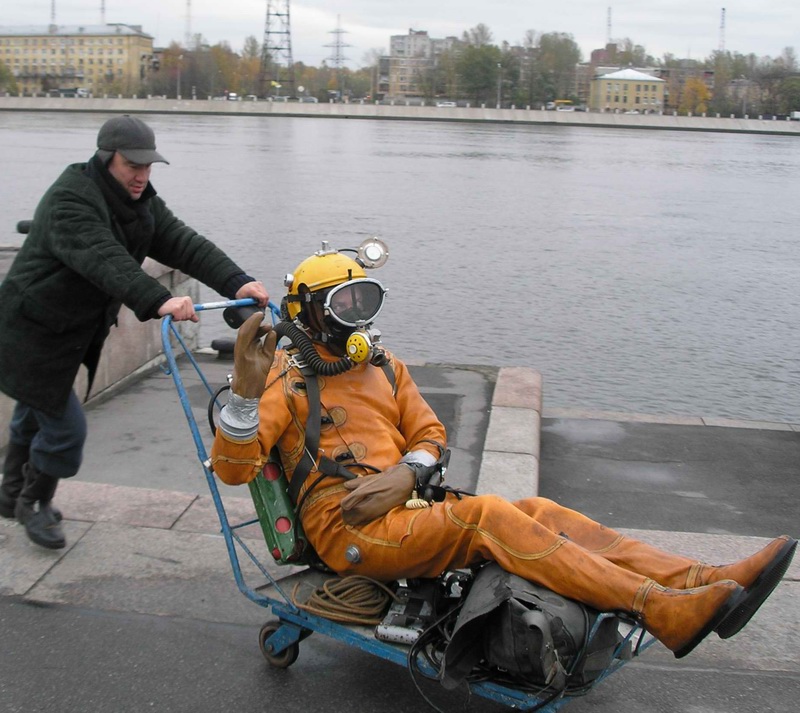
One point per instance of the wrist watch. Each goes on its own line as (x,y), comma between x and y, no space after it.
(422,473)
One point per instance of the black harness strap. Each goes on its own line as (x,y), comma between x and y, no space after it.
(387,369)
(313,426)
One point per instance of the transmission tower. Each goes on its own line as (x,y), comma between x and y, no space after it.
(722,32)
(277,65)
(187,40)
(337,58)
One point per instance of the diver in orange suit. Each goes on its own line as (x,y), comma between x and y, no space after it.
(388,436)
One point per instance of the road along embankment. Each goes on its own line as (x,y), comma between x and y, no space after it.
(402,112)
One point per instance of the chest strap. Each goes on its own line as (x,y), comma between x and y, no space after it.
(314,424)
(313,427)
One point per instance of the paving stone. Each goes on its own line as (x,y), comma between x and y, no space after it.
(514,476)
(101,502)
(23,563)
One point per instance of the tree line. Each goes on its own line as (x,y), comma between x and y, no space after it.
(475,69)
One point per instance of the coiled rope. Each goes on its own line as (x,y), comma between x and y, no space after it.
(354,600)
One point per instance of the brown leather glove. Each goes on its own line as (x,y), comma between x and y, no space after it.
(252,358)
(374,495)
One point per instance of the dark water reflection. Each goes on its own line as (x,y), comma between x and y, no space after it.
(637,270)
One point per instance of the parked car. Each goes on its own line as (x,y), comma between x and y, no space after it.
(233,97)
(446,104)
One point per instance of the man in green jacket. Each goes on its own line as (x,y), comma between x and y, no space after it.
(80,262)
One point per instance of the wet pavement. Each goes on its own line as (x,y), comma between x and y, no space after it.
(141,612)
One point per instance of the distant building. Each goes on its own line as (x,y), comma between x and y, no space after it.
(113,58)
(675,80)
(627,90)
(411,58)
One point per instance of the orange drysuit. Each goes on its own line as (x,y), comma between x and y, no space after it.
(534,538)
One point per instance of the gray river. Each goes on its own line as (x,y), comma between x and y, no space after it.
(643,271)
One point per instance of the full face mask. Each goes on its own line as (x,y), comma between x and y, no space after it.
(330,294)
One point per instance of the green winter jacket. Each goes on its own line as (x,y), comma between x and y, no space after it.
(81,261)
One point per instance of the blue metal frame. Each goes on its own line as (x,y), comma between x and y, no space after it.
(294,623)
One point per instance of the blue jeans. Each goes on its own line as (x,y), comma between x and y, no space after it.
(56,443)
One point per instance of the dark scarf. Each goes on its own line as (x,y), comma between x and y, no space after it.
(132,216)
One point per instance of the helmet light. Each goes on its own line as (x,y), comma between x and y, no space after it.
(373,253)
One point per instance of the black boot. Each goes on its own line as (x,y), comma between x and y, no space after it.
(40,523)
(13,480)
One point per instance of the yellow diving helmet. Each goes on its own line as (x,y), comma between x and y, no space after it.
(350,300)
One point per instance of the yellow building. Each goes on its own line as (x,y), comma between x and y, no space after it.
(103,59)
(627,90)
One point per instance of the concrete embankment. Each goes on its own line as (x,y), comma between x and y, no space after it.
(521,115)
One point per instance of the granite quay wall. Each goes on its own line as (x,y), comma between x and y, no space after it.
(399,111)
(133,347)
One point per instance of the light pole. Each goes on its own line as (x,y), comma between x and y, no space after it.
(178,92)
(499,82)
(744,96)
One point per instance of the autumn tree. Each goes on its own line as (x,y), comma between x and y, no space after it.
(629,54)
(478,72)
(694,97)
(789,95)
(557,58)
(250,69)
(7,81)
(478,36)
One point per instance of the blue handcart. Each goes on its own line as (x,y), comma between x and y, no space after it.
(280,637)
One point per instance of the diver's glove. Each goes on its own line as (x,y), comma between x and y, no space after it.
(374,495)
(252,357)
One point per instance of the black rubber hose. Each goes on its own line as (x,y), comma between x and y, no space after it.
(306,347)
(236,316)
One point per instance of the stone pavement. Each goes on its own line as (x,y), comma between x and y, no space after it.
(142,602)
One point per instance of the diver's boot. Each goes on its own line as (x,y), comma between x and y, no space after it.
(679,618)
(775,558)
(760,574)
(34,512)
(13,479)
(666,568)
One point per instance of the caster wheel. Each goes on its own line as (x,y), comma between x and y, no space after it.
(286,657)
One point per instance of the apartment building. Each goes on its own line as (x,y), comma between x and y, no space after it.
(627,90)
(411,56)
(104,59)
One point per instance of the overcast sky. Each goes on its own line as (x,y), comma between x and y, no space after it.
(685,28)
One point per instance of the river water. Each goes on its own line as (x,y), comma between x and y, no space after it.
(643,271)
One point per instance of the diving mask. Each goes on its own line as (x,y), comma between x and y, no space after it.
(355,303)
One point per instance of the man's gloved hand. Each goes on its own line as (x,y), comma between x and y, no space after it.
(374,495)
(252,357)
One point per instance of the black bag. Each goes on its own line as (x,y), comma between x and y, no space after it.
(528,633)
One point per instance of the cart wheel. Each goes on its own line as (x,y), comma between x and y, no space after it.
(286,657)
